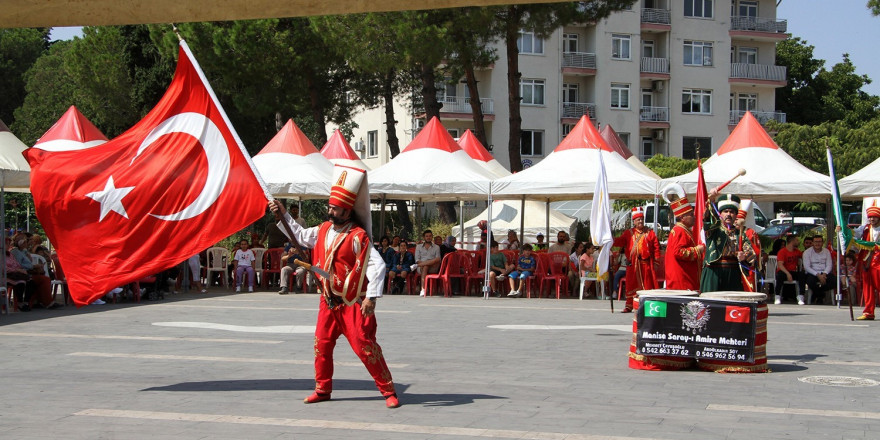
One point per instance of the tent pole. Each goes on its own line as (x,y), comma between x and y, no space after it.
(461,222)
(522,222)
(488,264)
(382,216)
(547,223)
(656,211)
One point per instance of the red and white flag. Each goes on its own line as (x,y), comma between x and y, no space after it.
(700,203)
(173,185)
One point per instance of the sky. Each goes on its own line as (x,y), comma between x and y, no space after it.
(832,27)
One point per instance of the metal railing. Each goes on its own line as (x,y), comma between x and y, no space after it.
(578,109)
(653,15)
(459,104)
(757,71)
(654,114)
(759,24)
(582,60)
(654,65)
(762,117)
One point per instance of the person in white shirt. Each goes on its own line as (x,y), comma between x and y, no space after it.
(817,265)
(243,260)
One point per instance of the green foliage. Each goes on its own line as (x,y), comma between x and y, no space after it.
(852,148)
(19,50)
(50,91)
(874,6)
(815,95)
(669,166)
(20,215)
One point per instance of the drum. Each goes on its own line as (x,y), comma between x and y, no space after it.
(759,365)
(656,363)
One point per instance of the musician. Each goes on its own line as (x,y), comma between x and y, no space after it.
(684,253)
(643,251)
(869,261)
(355,270)
(728,248)
(749,280)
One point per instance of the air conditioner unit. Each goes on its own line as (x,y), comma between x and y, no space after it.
(358,146)
(657,86)
(659,135)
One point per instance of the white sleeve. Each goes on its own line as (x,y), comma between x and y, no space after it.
(375,274)
(304,236)
(828,265)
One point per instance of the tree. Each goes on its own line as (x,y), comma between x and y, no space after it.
(19,50)
(542,19)
(50,91)
(874,6)
(814,95)
(670,166)
(852,148)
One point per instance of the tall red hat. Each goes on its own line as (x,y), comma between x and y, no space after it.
(873,210)
(681,207)
(347,183)
(638,212)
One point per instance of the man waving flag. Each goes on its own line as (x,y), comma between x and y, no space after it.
(176,183)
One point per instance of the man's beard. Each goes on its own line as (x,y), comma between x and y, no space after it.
(336,220)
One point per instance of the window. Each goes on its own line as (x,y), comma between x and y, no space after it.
(531,143)
(747,101)
(747,55)
(569,43)
(696,101)
(619,96)
(620,44)
(647,48)
(748,9)
(446,91)
(569,93)
(647,146)
(698,8)
(625,138)
(697,53)
(532,91)
(372,143)
(566,129)
(689,147)
(453,132)
(529,43)
(647,98)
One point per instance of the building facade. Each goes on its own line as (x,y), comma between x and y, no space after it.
(670,76)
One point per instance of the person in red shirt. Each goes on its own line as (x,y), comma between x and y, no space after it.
(643,251)
(684,256)
(787,268)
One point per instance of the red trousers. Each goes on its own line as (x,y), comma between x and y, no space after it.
(361,334)
(870,285)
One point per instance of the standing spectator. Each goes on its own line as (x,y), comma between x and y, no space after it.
(195,267)
(818,266)
(401,262)
(525,266)
(427,258)
(787,261)
(643,251)
(243,262)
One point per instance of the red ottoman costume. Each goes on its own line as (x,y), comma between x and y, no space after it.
(355,270)
(869,264)
(684,258)
(643,250)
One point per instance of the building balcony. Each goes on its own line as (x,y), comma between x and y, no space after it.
(655,16)
(758,24)
(458,104)
(574,110)
(758,74)
(654,114)
(762,117)
(579,63)
(654,67)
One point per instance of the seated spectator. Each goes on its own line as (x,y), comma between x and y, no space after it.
(447,246)
(37,285)
(499,267)
(511,243)
(562,244)
(620,262)
(540,245)
(395,242)
(587,266)
(288,267)
(525,266)
(850,275)
(818,268)
(243,262)
(401,262)
(386,251)
(427,258)
(787,262)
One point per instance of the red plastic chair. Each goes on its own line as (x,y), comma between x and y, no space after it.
(556,262)
(542,270)
(450,267)
(271,264)
(474,263)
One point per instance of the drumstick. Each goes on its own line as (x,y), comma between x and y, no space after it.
(742,172)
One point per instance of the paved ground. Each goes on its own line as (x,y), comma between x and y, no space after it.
(236,366)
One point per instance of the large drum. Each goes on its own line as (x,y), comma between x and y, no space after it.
(759,365)
(656,363)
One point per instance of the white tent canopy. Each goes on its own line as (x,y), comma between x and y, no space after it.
(292,167)
(472,146)
(431,168)
(571,170)
(506,215)
(863,183)
(15,173)
(616,143)
(771,174)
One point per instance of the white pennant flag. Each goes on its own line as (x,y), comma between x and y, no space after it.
(600,220)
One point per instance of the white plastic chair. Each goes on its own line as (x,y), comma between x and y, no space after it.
(770,276)
(592,276)
(217,259)
(258,263)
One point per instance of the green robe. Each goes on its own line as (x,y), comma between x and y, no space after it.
(723,243)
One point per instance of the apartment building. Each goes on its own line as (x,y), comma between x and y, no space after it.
(671,77)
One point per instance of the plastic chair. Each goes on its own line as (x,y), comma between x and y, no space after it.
(217,258)
(542,270)
(60,281)
(555,262)
(4,292)
(770,276)
(450,267)
(271,264)
(258,264)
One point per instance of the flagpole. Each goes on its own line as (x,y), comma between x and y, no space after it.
(838,218)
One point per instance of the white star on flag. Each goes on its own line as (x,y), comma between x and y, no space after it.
(111,199)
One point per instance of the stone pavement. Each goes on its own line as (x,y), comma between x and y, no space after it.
(234,366)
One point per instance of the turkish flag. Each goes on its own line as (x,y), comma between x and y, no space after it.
(700,204)
(737,314)
(173,185)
